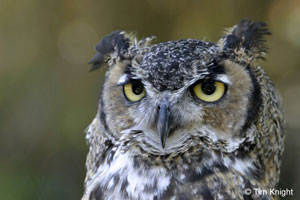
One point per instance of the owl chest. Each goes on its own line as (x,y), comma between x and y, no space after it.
(121,178)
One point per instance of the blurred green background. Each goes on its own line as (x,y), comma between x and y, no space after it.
(48,97)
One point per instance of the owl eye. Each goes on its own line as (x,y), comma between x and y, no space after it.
(209,90)
(134,91)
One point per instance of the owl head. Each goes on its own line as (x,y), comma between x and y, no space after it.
(173,95)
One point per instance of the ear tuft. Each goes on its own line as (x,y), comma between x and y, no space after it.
(117,42)
(246,38)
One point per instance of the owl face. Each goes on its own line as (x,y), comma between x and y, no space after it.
(169,100)
(174,91)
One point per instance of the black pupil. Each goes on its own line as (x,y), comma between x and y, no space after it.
(137,88)
(208,87)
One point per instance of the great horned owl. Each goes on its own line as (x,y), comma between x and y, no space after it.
(185,119)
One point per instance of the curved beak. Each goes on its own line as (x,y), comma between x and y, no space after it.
(163,122)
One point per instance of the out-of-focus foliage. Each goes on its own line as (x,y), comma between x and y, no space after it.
(47,96)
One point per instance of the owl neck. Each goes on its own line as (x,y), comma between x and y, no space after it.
(136,170)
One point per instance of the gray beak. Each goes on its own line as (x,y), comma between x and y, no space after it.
(163,122)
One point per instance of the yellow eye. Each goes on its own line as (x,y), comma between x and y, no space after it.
(209,90)
(134,91)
